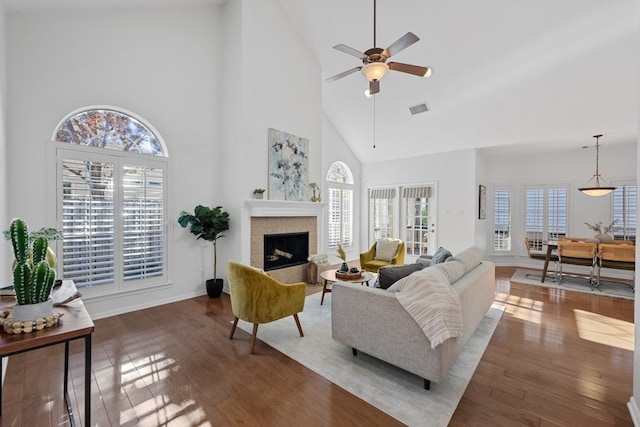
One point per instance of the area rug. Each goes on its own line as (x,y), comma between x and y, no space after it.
(578,284)
(390,389)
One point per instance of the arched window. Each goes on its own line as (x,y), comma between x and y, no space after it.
(340,189)
(111,191)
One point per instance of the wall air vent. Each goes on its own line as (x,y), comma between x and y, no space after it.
(420,108)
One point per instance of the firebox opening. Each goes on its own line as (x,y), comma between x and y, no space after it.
(285,250)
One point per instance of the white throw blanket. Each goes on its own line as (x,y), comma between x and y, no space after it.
(429,299)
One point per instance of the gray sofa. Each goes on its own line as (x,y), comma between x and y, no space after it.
(372,320)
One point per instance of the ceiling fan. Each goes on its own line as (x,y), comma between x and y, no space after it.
(374,60)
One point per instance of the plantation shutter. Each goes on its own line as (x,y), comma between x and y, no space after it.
(624,211)
(347,217)
(381,202)
(557,213)
(88,226)
(501,220)
(534,216)
(334,218)
(143,236)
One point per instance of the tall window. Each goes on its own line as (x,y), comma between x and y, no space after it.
(545,213)
(111,193)
(416,210)
(501,220)
(624,211)
(340,190)
(381,208)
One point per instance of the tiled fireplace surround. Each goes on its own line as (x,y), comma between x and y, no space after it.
(274,217)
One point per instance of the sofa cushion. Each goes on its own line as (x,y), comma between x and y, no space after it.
(470,257)
(453,270)
(386,249)
(390,274)
(441,255)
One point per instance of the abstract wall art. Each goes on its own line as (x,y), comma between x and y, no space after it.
(288,166)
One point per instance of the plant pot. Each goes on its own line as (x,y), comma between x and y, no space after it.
(214,287)
(24,313)
(257,195)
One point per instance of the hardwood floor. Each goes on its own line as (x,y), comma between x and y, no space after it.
(557,358)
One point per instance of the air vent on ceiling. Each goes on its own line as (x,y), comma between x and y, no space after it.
(420,108)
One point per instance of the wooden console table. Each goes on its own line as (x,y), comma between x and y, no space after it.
(74,324)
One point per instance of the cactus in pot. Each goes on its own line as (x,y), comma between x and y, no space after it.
(33,277)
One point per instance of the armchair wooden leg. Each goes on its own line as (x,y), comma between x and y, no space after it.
(295,316)
(253,337)
(233,328)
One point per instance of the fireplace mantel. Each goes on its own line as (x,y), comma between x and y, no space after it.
(262,208)
(256,208)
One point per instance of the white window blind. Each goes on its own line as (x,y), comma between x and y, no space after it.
(334,217)
(87,221)
(545,213)
(381,205)
(624,211)
(143,234)
(501,220)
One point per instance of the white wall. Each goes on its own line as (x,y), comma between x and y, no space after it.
(4,162)
(455,174)
(160,63)
(271,81)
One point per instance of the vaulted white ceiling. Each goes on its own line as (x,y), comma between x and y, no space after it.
(541,74)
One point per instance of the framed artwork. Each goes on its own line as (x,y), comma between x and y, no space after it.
(482,202)
(288,166)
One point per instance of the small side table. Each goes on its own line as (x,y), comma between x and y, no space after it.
(330,276)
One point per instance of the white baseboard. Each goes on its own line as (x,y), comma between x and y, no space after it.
(634,412)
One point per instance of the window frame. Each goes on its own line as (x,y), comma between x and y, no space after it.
(494,215)
(548,221)
(59,151)
(346,188)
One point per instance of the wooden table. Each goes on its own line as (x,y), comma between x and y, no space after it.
(74,324)
(330,276)
(551,246)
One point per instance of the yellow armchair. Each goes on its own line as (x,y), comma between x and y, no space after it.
(258,298)
(372,260)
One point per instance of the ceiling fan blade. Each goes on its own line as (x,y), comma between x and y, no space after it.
(416,70)
(342,74)
(349,50)
(374,87)
(400,44)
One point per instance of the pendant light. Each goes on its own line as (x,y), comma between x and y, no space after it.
(597,189)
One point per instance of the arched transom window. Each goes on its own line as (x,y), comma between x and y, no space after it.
(111,191)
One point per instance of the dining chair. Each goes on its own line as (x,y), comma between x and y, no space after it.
(577,253)
(541,256)
(619,256)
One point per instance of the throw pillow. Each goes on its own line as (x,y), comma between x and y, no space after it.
(390,274)
(441,255)
(386,249)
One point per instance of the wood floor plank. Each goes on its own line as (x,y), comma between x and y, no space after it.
(553,360)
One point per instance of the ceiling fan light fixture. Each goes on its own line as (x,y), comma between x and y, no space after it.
(375,70)
(597,190)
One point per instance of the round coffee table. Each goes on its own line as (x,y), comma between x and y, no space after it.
(330,276)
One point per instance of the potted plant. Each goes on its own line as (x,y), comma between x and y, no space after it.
(258,193)
(208,224)
(33,272)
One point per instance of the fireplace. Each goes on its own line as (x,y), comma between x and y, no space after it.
(285,250)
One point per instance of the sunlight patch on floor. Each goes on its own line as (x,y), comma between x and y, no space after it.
(604,330)
(522,308)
